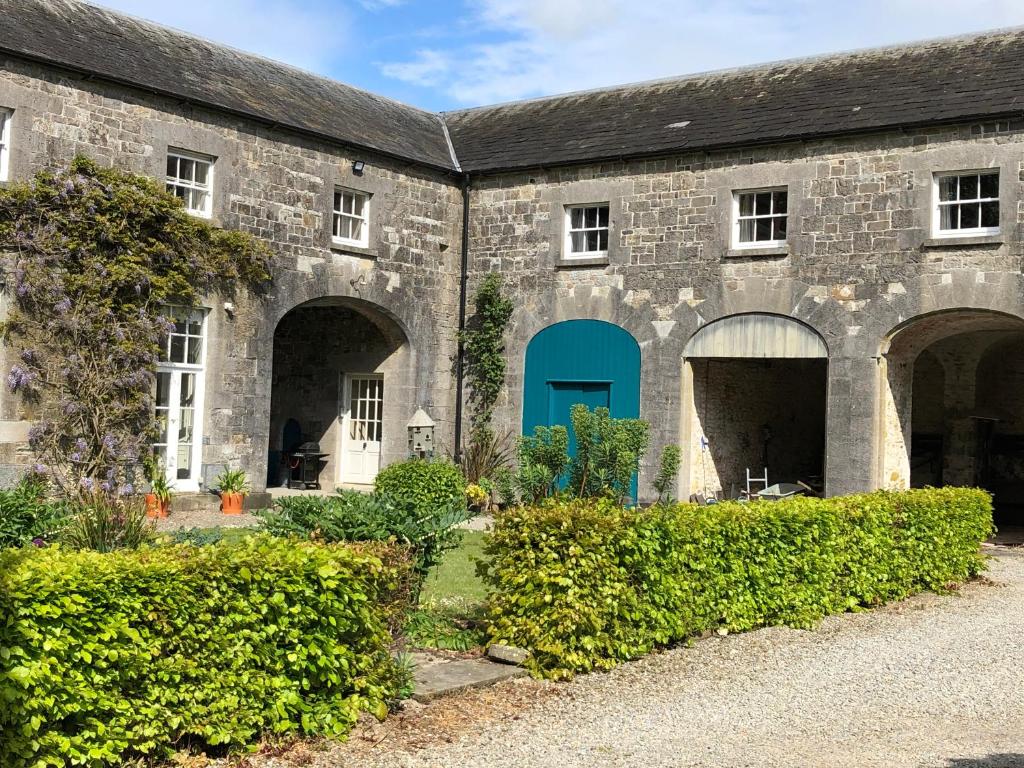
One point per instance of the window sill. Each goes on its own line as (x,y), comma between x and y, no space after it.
(593,261)
(957,242)
(756,253)
(358,250)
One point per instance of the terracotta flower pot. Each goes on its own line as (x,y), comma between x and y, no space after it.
(231,503)
(156,508)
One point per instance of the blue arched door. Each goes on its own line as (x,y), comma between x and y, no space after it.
(580,361)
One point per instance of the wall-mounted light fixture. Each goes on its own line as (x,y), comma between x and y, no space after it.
(357,167)
(229,308)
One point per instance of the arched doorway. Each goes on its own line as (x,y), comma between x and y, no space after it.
(754,399)
(580,361)
(953,405)
(341,381)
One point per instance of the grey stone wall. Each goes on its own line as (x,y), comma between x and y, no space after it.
(279,187)
(859,261)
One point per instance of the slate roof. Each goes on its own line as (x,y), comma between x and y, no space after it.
(939,81)
(959,79)
(118,47)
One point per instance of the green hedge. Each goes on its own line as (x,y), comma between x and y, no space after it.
(586,584)
(107,656)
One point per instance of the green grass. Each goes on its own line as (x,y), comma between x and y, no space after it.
(455,580)
(451,605)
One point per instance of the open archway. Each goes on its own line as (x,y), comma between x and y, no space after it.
(342,381)
(953,405)
(754,400)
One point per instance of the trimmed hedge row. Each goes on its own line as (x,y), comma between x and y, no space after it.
(585,584)
(108,656)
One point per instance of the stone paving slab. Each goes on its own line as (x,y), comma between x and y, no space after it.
(435,677)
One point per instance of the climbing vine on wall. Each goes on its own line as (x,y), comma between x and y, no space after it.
(92,257)
(484,340)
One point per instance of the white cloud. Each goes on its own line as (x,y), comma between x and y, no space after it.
(537,47)
(305,34)
(427,68)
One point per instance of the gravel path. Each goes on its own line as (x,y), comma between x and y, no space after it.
(932,681)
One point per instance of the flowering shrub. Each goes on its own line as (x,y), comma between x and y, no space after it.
(92,255)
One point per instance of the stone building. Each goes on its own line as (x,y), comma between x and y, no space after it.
(810,269)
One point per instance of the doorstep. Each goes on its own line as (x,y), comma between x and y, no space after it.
(435,677)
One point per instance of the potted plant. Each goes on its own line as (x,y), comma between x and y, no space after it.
(158,500)
(233,485)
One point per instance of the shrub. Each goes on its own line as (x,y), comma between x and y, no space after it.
(352,516)
(26,515)
(422,485)
(104,523)
(585,584)
(111,656)
(608,452)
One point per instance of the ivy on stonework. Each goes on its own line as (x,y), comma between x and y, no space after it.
(92,256)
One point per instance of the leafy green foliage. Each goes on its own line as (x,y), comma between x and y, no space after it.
(446,628)
(27,515)
(608,452)
(232,481)
(486,455)
(428,532)
(584,584)
(542,459)
(484,344)
(110,656)
(668,468)
(422,485)
(202,537)
(92,257)
(104,523)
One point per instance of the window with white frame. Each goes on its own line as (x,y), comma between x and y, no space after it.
(5,143)
(190,177)
(178,398)
(586,231)
(967,203)
(760,217)
(351,220)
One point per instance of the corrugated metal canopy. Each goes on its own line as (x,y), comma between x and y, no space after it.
(756,335)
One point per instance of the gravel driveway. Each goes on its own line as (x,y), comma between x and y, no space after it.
(933,681)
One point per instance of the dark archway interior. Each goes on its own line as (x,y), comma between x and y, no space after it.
(760,414)
(314,345)
(967,407)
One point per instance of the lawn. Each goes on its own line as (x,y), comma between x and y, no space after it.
(455,579)
(451,606)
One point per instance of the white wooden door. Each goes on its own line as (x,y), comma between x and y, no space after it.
(362,427)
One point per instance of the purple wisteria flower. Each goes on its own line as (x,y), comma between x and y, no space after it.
(38,542)
(19,379)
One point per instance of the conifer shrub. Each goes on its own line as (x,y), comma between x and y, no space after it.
(107,657)
(584,584)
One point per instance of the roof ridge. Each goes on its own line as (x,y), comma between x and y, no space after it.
(225,46)
(891,48)
(448,138)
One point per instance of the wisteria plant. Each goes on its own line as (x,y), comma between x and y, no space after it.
(92,258)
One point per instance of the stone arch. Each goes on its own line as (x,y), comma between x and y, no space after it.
(937,360)
(754,393)
(342,370)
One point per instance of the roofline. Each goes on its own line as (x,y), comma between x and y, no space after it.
(261,119)
(748,68)
(725,146)
(277,62)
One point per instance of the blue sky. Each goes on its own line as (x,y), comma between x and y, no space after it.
(448,55)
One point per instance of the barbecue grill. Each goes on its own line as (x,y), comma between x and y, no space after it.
(304,466)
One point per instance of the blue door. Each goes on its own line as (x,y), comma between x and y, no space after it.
(580,361)
(565,394)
